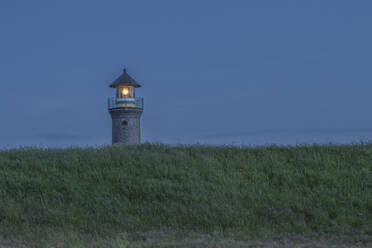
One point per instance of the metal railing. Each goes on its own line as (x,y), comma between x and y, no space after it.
(136,102)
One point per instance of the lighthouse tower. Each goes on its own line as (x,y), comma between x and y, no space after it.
(125,110)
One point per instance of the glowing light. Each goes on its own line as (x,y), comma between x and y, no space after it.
(125,91)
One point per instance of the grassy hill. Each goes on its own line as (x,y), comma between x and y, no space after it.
(138,196)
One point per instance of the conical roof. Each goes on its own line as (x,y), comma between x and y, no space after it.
(125,79)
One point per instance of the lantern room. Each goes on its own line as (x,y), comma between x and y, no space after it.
(125,92)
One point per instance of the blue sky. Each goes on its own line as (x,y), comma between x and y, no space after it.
(208,68)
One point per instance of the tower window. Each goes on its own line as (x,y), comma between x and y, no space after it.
(124,123)
(125,92)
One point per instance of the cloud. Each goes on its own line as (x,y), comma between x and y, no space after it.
(289,131)
(62,137)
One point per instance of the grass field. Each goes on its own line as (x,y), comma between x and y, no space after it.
(187,196)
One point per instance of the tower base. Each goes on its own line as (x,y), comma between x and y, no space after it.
(126,125)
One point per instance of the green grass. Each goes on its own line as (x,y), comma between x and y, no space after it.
(226,192)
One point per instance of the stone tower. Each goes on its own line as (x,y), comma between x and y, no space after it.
(125,110)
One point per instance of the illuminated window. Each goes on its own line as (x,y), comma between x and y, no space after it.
(125,92)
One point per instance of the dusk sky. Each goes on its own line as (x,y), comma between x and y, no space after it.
(218,72)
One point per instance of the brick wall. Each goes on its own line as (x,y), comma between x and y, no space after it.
(126,126)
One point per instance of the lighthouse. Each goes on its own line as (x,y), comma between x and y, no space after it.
(125,110)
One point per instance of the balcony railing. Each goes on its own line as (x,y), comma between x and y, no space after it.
(136,102)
